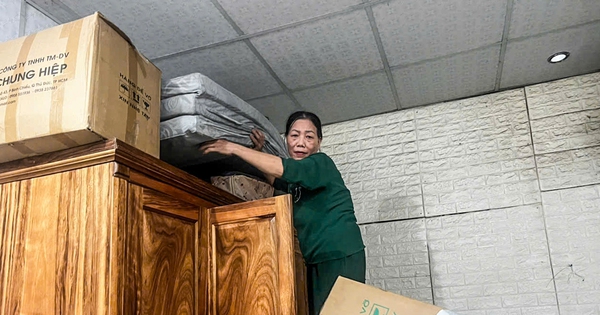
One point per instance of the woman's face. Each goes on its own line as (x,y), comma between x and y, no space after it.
(302,139)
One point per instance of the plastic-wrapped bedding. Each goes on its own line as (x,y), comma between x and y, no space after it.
(191,90)
(195,109)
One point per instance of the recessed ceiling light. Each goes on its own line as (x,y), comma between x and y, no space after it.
(558,57)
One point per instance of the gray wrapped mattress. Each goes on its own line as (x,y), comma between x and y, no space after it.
(195,109)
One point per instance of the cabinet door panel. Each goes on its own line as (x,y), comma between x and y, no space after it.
(251,258)
(162,252)
(168,266)
(55,249)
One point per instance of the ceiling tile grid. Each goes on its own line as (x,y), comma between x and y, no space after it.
(162,27)
(531,17)
(354,98)
(276,108)
(326,50)
(35,21)
(449,78)
(437,50)
(254,16)
(417,30)
(233,66)
(54,8)
(525,60)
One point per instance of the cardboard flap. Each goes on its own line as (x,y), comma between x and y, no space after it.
(349,297)
(122,34)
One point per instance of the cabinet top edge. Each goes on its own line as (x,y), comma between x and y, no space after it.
(107,151)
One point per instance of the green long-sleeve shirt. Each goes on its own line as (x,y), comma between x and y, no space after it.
(323,210)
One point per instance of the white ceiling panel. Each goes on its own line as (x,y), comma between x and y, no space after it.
(10,11)
(35,21)
(526,60)
(354,98)
(233,66)
(56,9)
(276,108)
(258,15)
(437,50)
(162,27)
(322,51)
(416,30)
(462,75)
(531,17)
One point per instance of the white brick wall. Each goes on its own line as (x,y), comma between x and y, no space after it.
(377,157)
(451,195)
(476,154)
(573,223)
(563,96)
(493,260)
(565,125)
(397,258)
(570,168)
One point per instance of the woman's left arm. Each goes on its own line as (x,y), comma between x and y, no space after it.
(270,165)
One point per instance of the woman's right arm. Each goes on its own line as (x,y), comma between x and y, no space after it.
(307,172)
(270,165)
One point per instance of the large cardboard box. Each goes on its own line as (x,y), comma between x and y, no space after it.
(354,298)
(74,84)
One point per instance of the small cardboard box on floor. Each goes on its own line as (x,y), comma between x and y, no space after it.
(74,84)
(349,297)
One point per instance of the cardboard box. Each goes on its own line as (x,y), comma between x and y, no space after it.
(74,84)
(349,297)
(244,187)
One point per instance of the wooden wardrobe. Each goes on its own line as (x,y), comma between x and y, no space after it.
(108,229)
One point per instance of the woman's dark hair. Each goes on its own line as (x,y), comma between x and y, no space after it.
(304,115)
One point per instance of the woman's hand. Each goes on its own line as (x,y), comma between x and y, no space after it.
(258,139)
(219,146)
(270,165)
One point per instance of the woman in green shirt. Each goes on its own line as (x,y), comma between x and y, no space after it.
(329,236)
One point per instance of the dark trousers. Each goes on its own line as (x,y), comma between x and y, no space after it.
(321,277)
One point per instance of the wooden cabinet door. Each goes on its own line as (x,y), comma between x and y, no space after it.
(250,258)
(54,248)
(161,255)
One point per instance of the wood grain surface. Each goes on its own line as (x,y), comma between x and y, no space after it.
(105,229)
(119,297)
(161,253)
(113,151)
(85,242)
(169,257)
(11,248)
(54,257)
(252,258)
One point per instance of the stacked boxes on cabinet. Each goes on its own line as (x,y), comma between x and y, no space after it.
(74,84)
